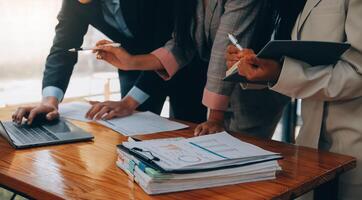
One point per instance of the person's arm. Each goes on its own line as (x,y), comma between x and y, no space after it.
(214,124)
(121,59)
(149,83)
(341,81)
(59,64)
(111,109)
(166,61)
(147,86)
(239,19)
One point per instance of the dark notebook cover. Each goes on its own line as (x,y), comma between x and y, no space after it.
(312,52)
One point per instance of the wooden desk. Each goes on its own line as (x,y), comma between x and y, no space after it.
(88,171)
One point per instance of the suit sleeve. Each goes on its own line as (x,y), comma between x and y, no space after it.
(173,58)
(342,81)
(149,84)
(239,18)
(69,33)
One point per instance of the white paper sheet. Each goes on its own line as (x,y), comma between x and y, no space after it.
(142,123)
(137,124)
(75,110)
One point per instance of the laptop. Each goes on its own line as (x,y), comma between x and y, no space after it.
(42,134)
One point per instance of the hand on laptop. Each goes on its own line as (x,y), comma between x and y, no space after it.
(112,109)
(48,107)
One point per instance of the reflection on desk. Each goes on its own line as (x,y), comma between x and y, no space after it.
(88,170)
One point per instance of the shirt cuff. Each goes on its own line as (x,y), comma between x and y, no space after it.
(138,95)
(52,91)
(215,101)
(168,61)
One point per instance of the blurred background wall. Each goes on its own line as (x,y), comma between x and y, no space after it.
(26,34)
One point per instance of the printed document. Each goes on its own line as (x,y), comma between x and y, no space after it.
(75,110)
(136,124)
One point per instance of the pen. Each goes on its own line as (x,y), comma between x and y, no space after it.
(89,49)
(235,41)
(133,139)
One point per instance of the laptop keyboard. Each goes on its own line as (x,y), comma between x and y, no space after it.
(27,134)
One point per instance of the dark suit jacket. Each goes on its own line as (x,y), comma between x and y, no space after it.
(150,21)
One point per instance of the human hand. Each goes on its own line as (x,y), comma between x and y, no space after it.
(48,107)
(233,55)
(209,127)
(257,69)
(115,56)
(112,109)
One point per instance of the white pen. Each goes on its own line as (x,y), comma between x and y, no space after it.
(89,49)
(235,41)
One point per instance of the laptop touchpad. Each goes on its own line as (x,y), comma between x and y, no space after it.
(58,127)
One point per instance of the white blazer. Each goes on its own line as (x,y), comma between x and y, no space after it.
(331,95)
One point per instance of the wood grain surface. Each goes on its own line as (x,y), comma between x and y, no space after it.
(87,170)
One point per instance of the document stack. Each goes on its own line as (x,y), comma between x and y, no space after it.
(162,166)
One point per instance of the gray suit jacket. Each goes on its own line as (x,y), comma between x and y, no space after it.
(252,111)
(331,95)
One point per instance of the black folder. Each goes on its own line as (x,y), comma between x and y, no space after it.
(312,52)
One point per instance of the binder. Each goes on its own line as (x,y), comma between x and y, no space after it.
(198,154)
(312,52)
(154,165)
(155,182)
(160,166)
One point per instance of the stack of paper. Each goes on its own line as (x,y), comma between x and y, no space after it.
(200,162)
(135,124)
